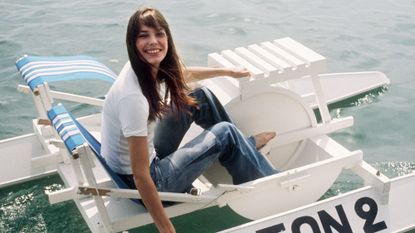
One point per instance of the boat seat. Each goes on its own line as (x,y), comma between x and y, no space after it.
(37,72)
(87,163)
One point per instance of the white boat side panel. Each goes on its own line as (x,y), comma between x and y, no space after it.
(315,217)
(353,211)
(16,159)
(402,202)
(293,188)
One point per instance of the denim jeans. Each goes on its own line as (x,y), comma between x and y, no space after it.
(174,169)
(171,129)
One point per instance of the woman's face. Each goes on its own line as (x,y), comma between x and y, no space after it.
(152,44)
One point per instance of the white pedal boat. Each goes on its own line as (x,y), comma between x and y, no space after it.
(288,87)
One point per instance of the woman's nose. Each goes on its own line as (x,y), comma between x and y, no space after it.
(153,39)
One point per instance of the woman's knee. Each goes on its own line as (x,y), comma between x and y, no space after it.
(224,130)
(223,126)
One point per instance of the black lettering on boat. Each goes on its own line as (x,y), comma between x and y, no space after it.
(328,222)
(369,215)
(295,227)
(273,229)
(366,208)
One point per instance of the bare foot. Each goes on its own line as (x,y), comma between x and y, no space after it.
(263,138)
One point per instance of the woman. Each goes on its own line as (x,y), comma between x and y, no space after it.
(134,104)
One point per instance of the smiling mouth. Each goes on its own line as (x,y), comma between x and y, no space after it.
(153,51)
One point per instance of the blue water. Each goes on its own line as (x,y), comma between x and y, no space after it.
(354,36)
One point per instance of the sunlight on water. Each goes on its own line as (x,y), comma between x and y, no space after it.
(370,97)
(25,208)
(394,169)
(15,205)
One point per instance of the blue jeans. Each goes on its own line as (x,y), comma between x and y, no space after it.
(171,129)
(223,141)
(174,169)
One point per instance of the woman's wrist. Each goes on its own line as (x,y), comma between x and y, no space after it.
(237,72)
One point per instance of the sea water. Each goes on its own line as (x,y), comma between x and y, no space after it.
(354,35)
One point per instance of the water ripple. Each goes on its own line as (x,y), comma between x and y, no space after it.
(396,168)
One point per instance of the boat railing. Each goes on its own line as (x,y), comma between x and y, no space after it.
(59,95)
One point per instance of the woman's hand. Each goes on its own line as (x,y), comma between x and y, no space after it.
(200,73)
(138,149)
(238,72)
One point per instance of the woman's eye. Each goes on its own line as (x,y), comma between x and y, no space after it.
(161,34)
(142,35)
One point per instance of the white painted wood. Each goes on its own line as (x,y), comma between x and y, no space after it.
(300,51)
(239,61)
(284,55)
(320,99)
(269,57)
(164,196)
(255,60)
(46,160)
(68,96)
(320,129)
(62,195)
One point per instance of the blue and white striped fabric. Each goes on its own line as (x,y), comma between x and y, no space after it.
(96,148)
(36,70)
(74,134)
(66,128)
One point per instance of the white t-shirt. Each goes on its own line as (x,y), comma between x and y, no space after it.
(125,114)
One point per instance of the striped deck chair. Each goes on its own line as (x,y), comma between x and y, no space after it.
(87,163)
(38,71)
(74,135)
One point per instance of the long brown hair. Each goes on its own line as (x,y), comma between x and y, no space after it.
(170,70)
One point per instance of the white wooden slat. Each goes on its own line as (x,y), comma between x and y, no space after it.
(46,160)
(230,84)
(61,195)
(239,61)
(321,100)
(255,60)
(320,129)
(217,60)
(299,50)
(282,54)
(269,57)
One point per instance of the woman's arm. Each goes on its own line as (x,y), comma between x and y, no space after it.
(195,73)
(141,171)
